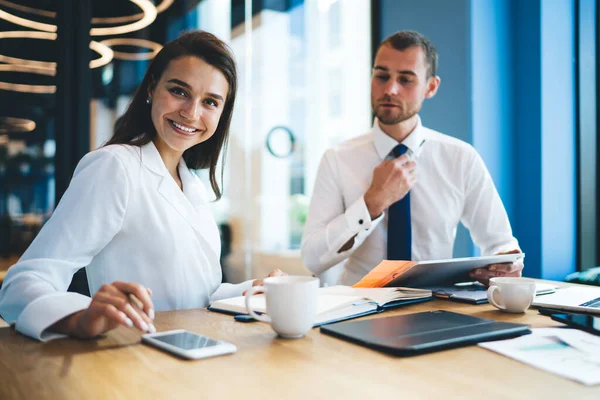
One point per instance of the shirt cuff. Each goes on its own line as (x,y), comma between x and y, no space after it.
(45,311)
(358,217)
(505,248)
(228,290)
(240,287)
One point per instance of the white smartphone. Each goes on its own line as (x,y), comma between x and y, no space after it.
(188,344)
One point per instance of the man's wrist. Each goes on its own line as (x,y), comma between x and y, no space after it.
(513,251)
(373,206)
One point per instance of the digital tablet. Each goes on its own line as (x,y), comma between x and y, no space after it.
(424,332)
(436,272)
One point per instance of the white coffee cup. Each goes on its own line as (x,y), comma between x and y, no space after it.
(291,304)
(513,295)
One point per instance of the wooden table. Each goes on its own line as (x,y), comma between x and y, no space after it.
(5,263)
(265,367)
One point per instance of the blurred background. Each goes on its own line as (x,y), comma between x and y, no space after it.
(519,82)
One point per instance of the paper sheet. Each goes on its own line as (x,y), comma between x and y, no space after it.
(570,353)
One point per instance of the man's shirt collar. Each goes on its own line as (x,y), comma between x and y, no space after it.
(384,143)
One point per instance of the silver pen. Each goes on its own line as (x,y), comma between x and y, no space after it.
(411,153)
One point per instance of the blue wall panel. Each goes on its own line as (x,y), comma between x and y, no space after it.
(527,155)
(558,138)
(492,93)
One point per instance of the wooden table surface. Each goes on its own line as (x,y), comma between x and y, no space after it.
(5,263)
(118,366)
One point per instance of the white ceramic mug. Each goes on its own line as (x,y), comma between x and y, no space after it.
(291,304)
(513,295)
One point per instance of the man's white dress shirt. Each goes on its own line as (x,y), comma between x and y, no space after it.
(124,218)
(453,185)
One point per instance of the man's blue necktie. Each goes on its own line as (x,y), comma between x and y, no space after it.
(399,226)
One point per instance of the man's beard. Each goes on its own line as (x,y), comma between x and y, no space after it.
(392,118)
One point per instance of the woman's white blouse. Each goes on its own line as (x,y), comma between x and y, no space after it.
(124,218)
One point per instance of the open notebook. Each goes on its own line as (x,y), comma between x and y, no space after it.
(337,303)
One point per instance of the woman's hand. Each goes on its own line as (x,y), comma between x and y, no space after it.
(259,282)
(119,303)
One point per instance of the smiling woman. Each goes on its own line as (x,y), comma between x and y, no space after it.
(135,215)
(182,90)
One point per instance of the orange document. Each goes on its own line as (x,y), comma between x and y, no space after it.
(384,273)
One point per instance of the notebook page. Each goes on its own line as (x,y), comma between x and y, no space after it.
(238,304)
(328,302)
(379,295)
(325,303)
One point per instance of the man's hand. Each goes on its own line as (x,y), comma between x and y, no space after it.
(484,275)
(392,179)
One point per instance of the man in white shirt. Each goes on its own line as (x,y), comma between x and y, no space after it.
(362,182)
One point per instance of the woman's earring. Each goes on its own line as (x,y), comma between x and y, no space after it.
(148,100)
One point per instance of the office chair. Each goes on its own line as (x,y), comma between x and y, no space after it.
(79,283)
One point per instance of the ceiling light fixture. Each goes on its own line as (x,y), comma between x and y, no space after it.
(27,22)
(149,15)
(26,88)
(149,12)
(30,10)
(106,53)
(27,35)
(118,20)
(14,125)
(164,4)
(153,46)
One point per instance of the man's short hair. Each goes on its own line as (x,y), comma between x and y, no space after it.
(402,40)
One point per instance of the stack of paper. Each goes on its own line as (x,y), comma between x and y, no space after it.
(570,353)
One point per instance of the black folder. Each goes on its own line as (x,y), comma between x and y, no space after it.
(424,332)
